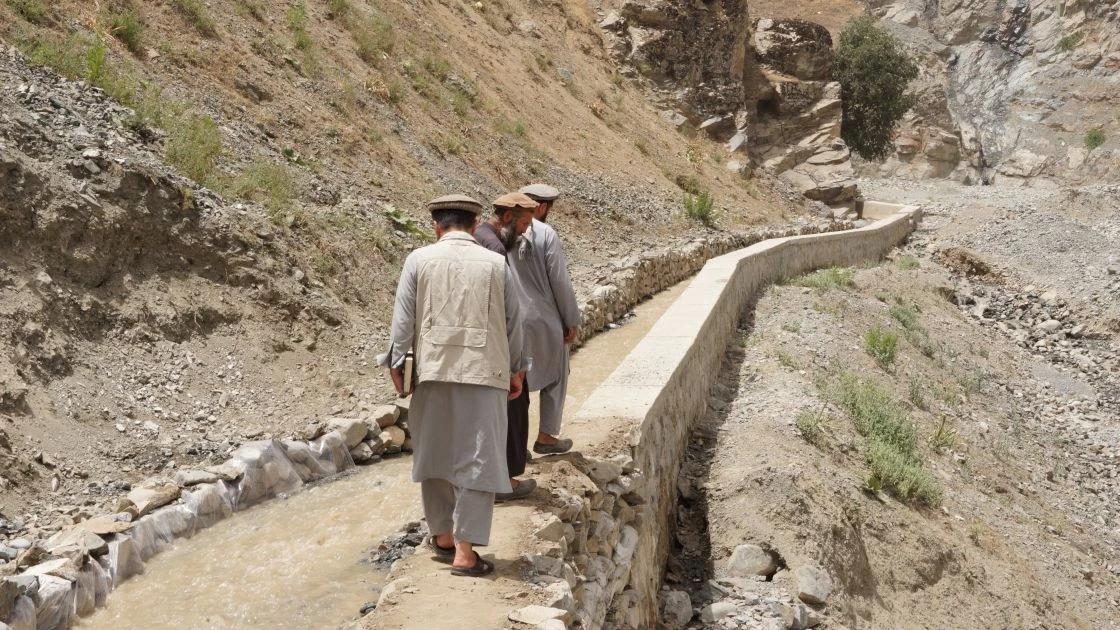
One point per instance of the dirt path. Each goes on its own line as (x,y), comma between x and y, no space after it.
(426,595)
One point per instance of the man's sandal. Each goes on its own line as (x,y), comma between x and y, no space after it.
(481,567)
(442,553)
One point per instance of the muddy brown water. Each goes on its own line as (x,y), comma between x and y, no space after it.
(296,562)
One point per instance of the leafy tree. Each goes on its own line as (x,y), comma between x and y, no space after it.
(873,71)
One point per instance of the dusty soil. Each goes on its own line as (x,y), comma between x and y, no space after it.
(1022,441)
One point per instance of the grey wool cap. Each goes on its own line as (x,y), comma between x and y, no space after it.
(455,202)
(540,192)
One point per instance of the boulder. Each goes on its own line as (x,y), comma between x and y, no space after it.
(814,585)
(77,538)
(396,438)
(352,429)
(383,416)
(149,497)
(749,560)
(676,609)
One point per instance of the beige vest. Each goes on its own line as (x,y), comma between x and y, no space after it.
(461,313)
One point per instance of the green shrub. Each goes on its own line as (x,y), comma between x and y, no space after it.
(700,208)
(1094,138)
(33,11)
(688,183)
(824,279)
(1069,42)
(197,14)
(873,70)
(193,147)
(126,27)
(437,66)
(882,345)
(907,263)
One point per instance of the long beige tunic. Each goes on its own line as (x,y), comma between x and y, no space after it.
(458,430)
(548,302)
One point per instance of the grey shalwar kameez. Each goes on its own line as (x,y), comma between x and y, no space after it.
(548,305)
(458,430)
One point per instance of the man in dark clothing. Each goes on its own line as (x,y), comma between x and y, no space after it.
(512,215)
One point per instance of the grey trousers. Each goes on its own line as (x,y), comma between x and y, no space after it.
(467,514)
(552,402)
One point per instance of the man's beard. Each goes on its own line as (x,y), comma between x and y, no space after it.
(508,237)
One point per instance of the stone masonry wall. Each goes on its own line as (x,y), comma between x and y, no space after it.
(608,534)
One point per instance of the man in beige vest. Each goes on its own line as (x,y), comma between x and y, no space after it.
(454,312)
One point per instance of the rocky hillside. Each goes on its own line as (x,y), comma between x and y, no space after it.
(204,208)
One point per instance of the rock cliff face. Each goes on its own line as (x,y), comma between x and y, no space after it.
(759,85)
(1009,90)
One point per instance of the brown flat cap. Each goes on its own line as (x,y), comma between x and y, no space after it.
(540,192)
(515,201)
(455,202)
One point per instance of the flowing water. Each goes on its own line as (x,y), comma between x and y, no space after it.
(296,562)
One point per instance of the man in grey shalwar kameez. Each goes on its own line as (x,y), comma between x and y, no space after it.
(454,312)
(551,314)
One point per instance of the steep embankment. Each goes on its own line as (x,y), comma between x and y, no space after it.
(149,322)
(993,380)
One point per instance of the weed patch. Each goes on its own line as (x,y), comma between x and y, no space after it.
(810,424)
(193,147)
(198,16)
(374,37)
(907,263)
(33,11)
(126,27)
(268,184)
(1069,42)
(297,23)
(824,279)
(892,441)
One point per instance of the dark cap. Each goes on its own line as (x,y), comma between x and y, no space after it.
(455,202)
(540,192)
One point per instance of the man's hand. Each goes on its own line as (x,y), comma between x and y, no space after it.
(570,335)
(398,379)
(516,383)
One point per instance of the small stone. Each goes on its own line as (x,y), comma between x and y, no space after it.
(552,530)
(534,615)
(361,453)
(1049,325)
(715,612)
(187,478)
(396,437)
